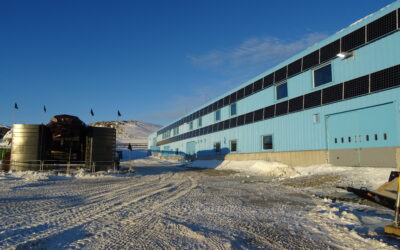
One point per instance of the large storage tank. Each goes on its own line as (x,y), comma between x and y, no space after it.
(100,147)
(28,146)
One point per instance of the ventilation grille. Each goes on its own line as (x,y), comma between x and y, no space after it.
(356,87)
(382,26)
(330,51)
(332,94)
(312,100)
(296,104)
(386,78)
(310,60)
(353,40)
(282,108)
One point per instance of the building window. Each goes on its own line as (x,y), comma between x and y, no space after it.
(267,142)
(234,146)
(233,109)
(281,91)
(191,125)
(218,115)
(323,75)
(217,147)
(367,137)
(176,131)
(385,136)
(199,123)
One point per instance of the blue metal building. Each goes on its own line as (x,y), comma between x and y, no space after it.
(336,102)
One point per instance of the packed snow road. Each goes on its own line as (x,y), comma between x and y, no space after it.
(166,206)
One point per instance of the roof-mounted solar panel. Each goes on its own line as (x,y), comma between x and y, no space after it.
(311,60)
(353,40)
(294,68)
(382,26)
(330,51)
(356,87)
(281,74)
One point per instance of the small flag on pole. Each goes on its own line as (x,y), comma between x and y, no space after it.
(119,113)
(91,112)
(44,108)
(15,105)
(130,147)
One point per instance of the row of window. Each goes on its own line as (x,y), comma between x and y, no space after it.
(357,38)
(358,138)
(368,84)
(266,144)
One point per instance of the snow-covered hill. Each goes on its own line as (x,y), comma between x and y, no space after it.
(129,131)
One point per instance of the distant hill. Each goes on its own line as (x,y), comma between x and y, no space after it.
(129,131)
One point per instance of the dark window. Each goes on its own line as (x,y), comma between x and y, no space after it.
(312,99)
(335,140)
(342,140)
(232,122)
(269,112)
(323,75)
(376,137)
(386,78)
(232,97)
(268,80)
(217,147)
(233,110)
(240,94)
(215,127)
(356,87)
(209,109)
(220,103)
(226,124)
(267,142)
(258,115)
(385,136)
(281,108)
(332,94)
(349,138)
(257,85)
(249,117)
(210,129)
(281,91)
(367,137)
(218,115)
(311,60)
(353,40)
(240,120)
(233,146)
(220,126)
(226,100)
(294,68)
(248,90)
(296,104)
(215,106)
(381,26)
(280,74)
(330,51)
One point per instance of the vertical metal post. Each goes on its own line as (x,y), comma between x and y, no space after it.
(396,217)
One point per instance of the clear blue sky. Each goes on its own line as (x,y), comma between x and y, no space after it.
(152,60)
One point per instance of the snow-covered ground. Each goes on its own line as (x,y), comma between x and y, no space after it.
(240,205)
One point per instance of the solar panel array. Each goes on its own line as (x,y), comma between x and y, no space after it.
(368,33)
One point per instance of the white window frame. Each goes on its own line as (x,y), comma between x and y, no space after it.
(276,90)
(262,142)
(317,68)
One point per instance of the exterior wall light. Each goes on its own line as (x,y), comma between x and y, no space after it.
(345,55)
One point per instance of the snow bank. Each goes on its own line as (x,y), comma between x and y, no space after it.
(370,178)
(248,167)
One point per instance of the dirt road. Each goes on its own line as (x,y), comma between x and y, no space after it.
(166,207)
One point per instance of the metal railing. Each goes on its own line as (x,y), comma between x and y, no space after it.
(44,165)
